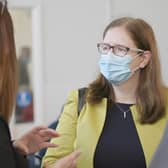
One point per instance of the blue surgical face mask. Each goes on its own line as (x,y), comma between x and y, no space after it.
(114,68)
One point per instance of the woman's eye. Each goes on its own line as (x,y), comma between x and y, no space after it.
(105,48)
(121,49)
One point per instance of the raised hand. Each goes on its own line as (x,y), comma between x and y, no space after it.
(35,140)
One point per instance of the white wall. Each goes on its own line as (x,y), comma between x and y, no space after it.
(153,11)
(71,31)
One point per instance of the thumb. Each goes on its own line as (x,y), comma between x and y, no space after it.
(46,164)
(74,155)
(21,147)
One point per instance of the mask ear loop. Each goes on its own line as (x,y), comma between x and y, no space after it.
(138,68)
(137,55)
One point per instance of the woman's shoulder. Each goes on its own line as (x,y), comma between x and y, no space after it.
(75,93)
(8,156)
(5,139)
(4,130)
(6,153)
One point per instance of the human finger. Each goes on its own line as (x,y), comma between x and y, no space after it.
(47,145)
(48,133)
(74,155)
(38,128)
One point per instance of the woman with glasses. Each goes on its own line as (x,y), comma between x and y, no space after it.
(124,116)
(13,153)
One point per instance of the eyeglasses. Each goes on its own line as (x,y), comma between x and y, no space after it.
(4,4)
(119,50)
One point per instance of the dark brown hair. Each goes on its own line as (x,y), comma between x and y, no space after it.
(150,92)
(8,64)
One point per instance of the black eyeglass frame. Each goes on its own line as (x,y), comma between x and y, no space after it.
(139,51)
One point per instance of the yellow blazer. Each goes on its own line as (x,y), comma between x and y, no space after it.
(83,132)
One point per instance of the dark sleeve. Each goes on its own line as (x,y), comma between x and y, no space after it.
(7,158)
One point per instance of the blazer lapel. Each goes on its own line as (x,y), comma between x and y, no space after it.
(91,122)
(150,135)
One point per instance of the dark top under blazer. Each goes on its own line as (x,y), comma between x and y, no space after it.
(119,145)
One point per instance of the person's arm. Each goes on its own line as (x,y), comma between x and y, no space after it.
(67,130)
(7,156)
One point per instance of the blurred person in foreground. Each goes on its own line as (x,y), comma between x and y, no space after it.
(13,153)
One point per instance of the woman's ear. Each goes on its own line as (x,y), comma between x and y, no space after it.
(146,58)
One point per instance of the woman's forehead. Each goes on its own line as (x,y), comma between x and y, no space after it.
(119,35)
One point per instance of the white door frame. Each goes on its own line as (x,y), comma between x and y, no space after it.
(37,60)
